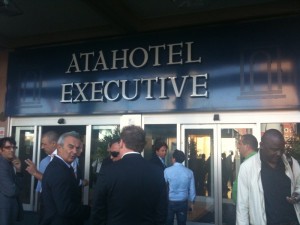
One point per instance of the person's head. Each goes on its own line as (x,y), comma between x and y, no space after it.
(68,146)
(49,142)
(114,149)
(7,148)
(247,144)
(160,148)
(223,155)
(272,146)
(178,156)
(133,138)
(78,153)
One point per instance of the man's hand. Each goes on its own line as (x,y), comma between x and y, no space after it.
(295,198)
(17,164)
(85,182)
(191,207)
(31,169)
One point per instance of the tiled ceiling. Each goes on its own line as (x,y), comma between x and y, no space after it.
(35,22)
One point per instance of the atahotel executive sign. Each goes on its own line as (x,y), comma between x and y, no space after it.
(248,66)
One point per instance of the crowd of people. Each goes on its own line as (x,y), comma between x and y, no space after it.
(131,190)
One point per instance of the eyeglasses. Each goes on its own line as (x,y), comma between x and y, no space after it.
(10,147)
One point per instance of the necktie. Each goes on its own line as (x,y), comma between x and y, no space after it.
(163,162)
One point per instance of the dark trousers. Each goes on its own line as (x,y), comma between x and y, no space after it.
(179,209)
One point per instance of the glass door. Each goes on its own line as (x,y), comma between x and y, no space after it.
(199,143)
(230,163)
(25,139)
(212,155)
(101,135)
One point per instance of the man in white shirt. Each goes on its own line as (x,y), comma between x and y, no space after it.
(265,181)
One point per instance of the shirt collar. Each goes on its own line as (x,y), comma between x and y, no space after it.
(63,160)
(127,153)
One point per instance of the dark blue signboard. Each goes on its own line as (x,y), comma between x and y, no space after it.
(246,66)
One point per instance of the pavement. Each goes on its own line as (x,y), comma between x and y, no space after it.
(31,218)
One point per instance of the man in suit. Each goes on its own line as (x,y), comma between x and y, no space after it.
(114,153)
(10,183)
(131,191)
(61,203)
(160,149)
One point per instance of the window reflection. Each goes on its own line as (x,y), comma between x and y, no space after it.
(101,136)
(166,132)
(291,133)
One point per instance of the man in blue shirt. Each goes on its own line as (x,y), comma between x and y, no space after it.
(181,189)
(48,144)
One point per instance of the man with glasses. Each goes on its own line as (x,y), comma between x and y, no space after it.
(10,183)
(114,152)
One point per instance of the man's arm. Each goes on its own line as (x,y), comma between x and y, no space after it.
(192,192)
(242,209)
(99,207)
(162,206)
(7,184)
(32,170)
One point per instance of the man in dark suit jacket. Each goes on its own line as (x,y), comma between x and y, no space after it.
(10,183)
(160,149)
(131,191)
(61,203)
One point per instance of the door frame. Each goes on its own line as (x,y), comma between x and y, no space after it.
(34,155)
(217,148)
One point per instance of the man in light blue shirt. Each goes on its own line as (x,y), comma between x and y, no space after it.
(181,189)
(48,144)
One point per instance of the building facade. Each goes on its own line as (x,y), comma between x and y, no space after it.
(200,89)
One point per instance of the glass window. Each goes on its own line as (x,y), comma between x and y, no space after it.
(199,150)
(24,137)
(230,162)
(291,133)
(166,132)
(100,138)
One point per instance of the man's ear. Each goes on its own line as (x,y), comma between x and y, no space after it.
(59,148)
(122,144)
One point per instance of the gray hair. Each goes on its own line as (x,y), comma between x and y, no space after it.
(62,137)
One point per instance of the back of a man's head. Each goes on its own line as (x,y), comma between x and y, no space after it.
(134,138)
(51,135)
(249,139)
(179,156)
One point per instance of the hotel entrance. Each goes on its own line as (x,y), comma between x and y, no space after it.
(213,157)
(212,154)
(210,147)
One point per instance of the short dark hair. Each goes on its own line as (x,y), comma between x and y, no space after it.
(158,143)
(7,139)
(52,136)
(115,140)
(249,139)
(272,133)
(179,156)
(134,138)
